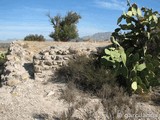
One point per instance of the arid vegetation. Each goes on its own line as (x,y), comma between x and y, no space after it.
(88,83)
(34,38)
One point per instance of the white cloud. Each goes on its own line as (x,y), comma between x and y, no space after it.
(111,4)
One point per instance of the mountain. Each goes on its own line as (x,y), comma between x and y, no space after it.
(102,36)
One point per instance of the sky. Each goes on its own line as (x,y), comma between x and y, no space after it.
(19,18)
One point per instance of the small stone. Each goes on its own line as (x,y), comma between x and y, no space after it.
(53,57)
(12,82)
(65,52)
(37,56)
(58,57)
(50,93)
(52,53)
(59,63)
(49,63)
(54,63)
(36,62)
(65,58)
(37,69)
(46,53)
(24,77)
(59,52)
(73,50)
(46,57)
(47,68)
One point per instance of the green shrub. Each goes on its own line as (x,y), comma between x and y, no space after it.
(2,61)
(34,38)
(86,74)
(134,54)
(2,58)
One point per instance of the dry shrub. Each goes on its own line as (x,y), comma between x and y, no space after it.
(86,74)
(116,102)
(68,94)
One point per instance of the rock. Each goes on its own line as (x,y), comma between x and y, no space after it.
(53,57)
(46,53)
(66,58)
(46,57)
(58,57)
(36,62)
(72,50)
(59,63)
(52,53)
(24,77)
(59,52)
(37,57)
(54,63)
(10,57)
(65,52)
(48,62)
(37,69)
(47,67)
(12,82)
(50,93)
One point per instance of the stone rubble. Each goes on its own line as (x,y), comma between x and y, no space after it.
(22,64)
(49,60)
(15,71)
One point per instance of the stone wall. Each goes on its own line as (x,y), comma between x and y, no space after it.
(18,64)
(49,60)
(24,64)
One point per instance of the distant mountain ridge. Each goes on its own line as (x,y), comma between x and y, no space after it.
(101,36)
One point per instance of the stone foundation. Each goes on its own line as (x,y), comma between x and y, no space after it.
(24,63)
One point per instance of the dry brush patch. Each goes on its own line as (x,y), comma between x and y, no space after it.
(83,74)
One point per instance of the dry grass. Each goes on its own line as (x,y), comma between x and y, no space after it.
(36,47)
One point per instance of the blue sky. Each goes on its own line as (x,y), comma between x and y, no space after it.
(19,18)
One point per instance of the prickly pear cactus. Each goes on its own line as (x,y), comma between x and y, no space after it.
(135,51)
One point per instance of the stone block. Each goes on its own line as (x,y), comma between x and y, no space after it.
(48,62)
(37,69)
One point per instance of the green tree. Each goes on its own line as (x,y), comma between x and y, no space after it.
(64,27)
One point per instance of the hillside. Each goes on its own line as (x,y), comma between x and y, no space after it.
(102,36)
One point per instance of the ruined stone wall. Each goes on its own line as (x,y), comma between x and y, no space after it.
(25,62)
(18,64)
(49,60)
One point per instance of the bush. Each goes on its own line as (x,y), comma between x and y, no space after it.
(2,61)
(34,38)
(134,54)
(86,73)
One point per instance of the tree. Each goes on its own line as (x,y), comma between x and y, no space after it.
(64,27)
